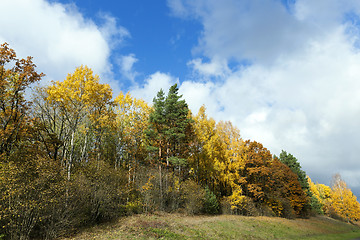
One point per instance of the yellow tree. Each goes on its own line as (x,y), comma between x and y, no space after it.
(132,119)
(217,157)
(217,151)
(232,160)
(85,103)
(323,194)
(201,161)
(344,202)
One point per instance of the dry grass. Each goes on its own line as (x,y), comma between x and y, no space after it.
(177,226)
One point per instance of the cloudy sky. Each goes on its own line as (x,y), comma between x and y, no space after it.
(285,72)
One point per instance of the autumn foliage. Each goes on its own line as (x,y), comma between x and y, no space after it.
(75,156)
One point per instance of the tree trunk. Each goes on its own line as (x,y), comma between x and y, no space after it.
(84,149)
(160,180)
(71,156)
(160,185)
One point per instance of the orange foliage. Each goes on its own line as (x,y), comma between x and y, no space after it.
(267,180)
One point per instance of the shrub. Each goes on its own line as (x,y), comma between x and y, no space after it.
(133,207)
(250,208)
(193,195)
(211,204)
(287,211)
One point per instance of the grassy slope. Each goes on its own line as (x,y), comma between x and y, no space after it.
(175,226)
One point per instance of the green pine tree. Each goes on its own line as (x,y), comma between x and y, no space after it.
(156,131)
(291,161)
(178,127)
(169,133)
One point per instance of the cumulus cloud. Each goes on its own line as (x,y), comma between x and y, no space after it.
(126,66)
(299,90)
(152,85)
(58,36)
(215,68)
(255,30)
(113,33)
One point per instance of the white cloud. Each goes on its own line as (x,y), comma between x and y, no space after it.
(152,85)
(113,33)
(126,66)
(256,30)
(197,94)
(178,8)
(216,68)
(58,37)
(301,91)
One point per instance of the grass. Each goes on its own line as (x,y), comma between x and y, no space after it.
(176,226)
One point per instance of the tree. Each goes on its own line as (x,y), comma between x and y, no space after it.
(52,130)
(177,127)
(131,120)
(344,201)
(230,162)
(156,130)
(29,191)
(323,196)
(291,161)
(202,158)
(156,138)
(84,104)
(13,106)
(169,132)
(271,183)
(256,172)
(287,189)
(29,181)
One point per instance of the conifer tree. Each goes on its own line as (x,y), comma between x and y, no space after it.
(169,128)
(155,134)
(291,161)
(177,128)
(169,132)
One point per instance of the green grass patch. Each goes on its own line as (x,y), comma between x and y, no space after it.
(165,234)
(176,226)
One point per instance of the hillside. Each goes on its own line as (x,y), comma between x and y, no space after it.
(175,226)
(75,156)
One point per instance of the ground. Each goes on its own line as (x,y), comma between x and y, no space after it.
(178,226)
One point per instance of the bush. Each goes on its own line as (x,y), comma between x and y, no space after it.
(250,208)
(193,195)
(211,204)
(134,207)
(265,210)
(103,189)
(28,191)
(287,212)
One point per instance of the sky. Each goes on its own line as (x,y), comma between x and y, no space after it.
(285,72)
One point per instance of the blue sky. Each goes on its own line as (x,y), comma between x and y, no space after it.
(158,40)
(285,72)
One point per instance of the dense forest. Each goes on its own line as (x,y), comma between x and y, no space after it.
(73,155)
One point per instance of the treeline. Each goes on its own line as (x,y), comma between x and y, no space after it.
(72,157)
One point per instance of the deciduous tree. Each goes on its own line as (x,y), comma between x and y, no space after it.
(84,104)
(344,201)
(15,76)
(131,120)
